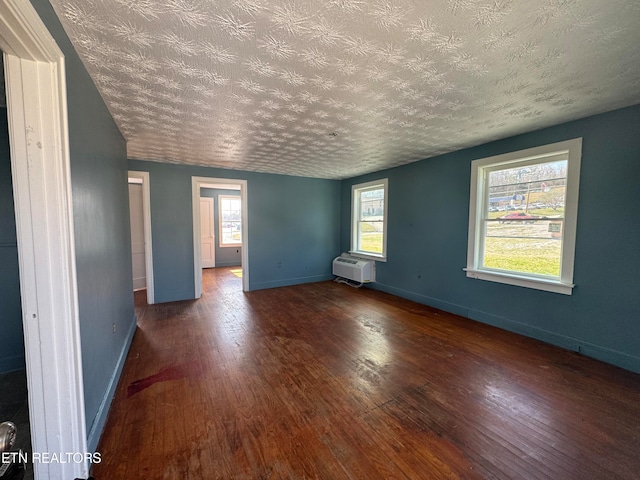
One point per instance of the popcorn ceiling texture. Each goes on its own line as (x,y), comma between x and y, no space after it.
(337,88)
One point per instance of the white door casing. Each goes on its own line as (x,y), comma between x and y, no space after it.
(38,136)
(207,233)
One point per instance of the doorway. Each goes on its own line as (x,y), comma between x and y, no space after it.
(141,240)
(230,232)
(14,405)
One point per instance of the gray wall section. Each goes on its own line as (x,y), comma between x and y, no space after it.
(225,256)
(428,226)
(293,227)
(102,232)
(12,350)
(294,230)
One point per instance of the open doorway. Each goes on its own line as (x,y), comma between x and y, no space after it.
(141,241)
(14,404)
(220,228)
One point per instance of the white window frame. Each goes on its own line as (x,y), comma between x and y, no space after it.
(355,207)
(232,197)
(478,204)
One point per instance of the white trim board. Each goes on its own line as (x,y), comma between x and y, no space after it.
(220,186)
(196,184)
(38,135)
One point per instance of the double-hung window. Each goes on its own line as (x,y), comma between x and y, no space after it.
(369,220)
(230,217)
(522,217)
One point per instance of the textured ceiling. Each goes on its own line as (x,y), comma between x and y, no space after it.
(336,88)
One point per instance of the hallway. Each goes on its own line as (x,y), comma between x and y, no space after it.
(325,381)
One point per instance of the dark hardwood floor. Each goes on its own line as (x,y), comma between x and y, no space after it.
(326,381)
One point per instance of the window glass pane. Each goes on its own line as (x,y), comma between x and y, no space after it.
(231,233)
(230,217)
(368,229)
(370,235)
(524,218)
(372,204)
(370,223)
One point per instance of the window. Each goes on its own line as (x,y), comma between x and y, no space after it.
(230,218)
(522,217)
(369,220)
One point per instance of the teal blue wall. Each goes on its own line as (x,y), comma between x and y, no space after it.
(102,232)
(12,351)
(427,242)
(294,227)
(225,256)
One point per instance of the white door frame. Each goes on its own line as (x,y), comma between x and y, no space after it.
(146,219)
(196,183)
(38,135)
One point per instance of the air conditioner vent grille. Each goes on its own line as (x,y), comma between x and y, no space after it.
(347,260)
(358,270)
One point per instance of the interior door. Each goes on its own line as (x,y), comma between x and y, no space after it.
(137,237)
(207,233)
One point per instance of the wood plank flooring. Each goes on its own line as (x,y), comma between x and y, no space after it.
(323,381)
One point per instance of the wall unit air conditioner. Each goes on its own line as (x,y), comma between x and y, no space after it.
(355,269)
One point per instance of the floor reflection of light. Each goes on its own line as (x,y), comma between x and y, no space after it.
(374,355)
(516,403)
(237,272)
(375,348)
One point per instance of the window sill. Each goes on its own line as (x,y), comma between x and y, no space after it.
(368,256)
(521,281)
